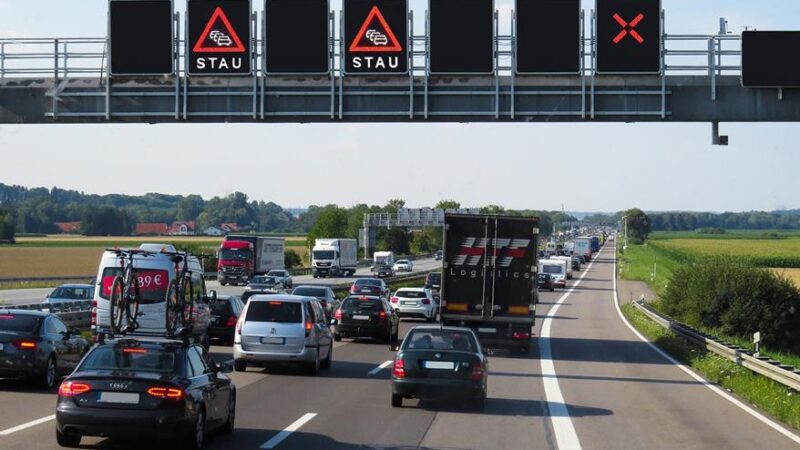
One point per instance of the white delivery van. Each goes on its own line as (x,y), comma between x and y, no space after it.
(568,259)
(557,268)
(154,274)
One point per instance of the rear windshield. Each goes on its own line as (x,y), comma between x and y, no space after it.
(356,303)
(139,359)
(309,292)
(410,294)
(368,282)
(221,307)
(440,340)
(153,284)
(274,311)
(551,269)
(434,278)
(22,323)
(73,293)
(277,273)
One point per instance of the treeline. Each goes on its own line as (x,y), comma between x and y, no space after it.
(691,221)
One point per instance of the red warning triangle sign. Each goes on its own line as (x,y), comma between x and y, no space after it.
(375,35)
(219,36)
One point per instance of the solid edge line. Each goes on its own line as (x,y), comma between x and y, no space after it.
(560,420)
(24,426)
(383,365)
(286,432)
(764,419)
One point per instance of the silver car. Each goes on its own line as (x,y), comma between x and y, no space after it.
(284,276)
(278,328)
(415,302)
(71,293)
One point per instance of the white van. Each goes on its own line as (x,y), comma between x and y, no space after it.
(568,259)
(154,274)
(557,268)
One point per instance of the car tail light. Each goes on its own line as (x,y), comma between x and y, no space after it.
(308,327)
(231,321)
(520,335)
(165,392)
(338,314)
(353,288)
(477,372)
(73,388)
(426,301)
(399,369)
(239,328)
(382,315)
(24,344)
(395,299)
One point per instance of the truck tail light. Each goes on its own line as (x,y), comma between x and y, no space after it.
(166,392)
(399,369)
(231,321)
(395,299)
(476,374)
(73,388)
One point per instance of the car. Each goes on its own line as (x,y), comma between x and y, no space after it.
(225,312)
(264,282)
(324,294)
(38,347)
(440,362)
(545,281)
(71,293)
(284,276)
(576,263)
(433,281)
(282,328)
(438,255)
(403,265)
(582,259)
(383,270)
(370,286)
(154,387)
(415,302)
(247,295)
(366,316)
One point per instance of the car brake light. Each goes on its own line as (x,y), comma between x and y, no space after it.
(399,369)
(72,388)
(394,299)
(309,325)
(231,321)
(167,393)
(520,335)
(24,344)
(382,315)
(134,350)
(425,301)
(338,314)
(477,372)
(353,288)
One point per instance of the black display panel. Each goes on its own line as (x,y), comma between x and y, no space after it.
(376,36)
(765,62)
(130,54)
(290,52)
(548,36)
(219,37)
(461,36)
(628,36)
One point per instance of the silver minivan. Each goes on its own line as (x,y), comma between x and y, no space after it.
(279,328)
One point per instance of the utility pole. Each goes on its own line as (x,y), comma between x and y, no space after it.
(625,221)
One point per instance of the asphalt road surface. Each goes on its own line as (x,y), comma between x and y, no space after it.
(590,382)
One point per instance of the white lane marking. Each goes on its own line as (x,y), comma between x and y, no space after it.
(770,423)
(278,438)
(383,365)
(566,436)
(24,426)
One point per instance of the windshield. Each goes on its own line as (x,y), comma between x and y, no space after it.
(324,254)
(138,359)
(73,293)
(310,292)
(19,322)
(551,269)
(274,311)
(235,254)
(433,339)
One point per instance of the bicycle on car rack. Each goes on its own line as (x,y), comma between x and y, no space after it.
(125,296)
(180,295)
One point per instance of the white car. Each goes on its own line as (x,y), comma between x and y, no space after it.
(415,302)
(403,265)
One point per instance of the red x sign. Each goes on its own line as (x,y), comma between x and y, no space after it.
(628,28)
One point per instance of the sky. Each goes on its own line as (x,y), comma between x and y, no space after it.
(582,167)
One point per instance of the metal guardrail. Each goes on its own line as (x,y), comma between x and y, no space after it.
(787,375)
(73,314)
(33,279)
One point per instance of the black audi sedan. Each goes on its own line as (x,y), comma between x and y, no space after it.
(37,346)
(440,362)
(159,388)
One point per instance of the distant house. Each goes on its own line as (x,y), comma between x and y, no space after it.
(68,227)
(213,231)
(181,228)
(150,229)
(230,227)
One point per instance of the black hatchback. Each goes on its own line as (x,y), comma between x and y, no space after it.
(225,312)
(158,388)
(366,316)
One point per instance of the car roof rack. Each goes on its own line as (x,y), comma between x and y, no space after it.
(183,335)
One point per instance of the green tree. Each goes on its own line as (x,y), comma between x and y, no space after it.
(331,223)
(638,224)
(493,209)
(6,226)
(448,204)
(396,239)
(104,221)
(394,204)
(291,259)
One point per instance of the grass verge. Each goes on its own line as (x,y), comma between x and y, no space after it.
(647,263)
(769,396)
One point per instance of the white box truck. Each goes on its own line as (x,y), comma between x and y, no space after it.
(334,257)
(557,268)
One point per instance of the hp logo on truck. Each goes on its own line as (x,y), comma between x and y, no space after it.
(505,251)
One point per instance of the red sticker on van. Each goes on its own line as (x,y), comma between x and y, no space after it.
(149,281)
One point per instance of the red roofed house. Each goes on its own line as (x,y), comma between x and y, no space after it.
(181,228)
(229,227)
(68,227)
(152,229)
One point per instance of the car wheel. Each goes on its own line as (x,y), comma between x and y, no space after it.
(223,283)
(239,365)
(313,368)
(337,337)
(397,400)
(326,363)
(197,435)
(479,404)
(67,440)
(48,379)
(230,423)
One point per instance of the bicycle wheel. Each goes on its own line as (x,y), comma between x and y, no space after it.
(188,302)
(173,308)
(132,296)
(118,304)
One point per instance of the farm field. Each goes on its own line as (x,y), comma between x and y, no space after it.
(791,274)
(783,252)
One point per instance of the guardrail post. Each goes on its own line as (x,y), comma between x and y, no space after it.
(66,59)
(55,79)
(2,60)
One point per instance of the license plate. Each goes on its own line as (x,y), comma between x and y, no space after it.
(409,303)
(365,290)
(358,317)
(1,347)
(439,365)
(118,397)
(273,340)
(487,330)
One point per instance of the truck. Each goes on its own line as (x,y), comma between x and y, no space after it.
(334,257)
(382,259)
(557,268)
(489,277)
(595,244)
(242,256)
(583,246)
(568,260)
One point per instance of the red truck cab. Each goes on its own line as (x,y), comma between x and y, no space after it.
(235,262)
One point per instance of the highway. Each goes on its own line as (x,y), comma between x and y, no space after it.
(589,383)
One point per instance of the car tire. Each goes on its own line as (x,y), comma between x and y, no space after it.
(67,440)
(397,401)
(337,337)
(326,363)
(196,436)
(478,404)
(313,367)
(47,380)
(239,365)
(230,424)
(223,283)
(552,289)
